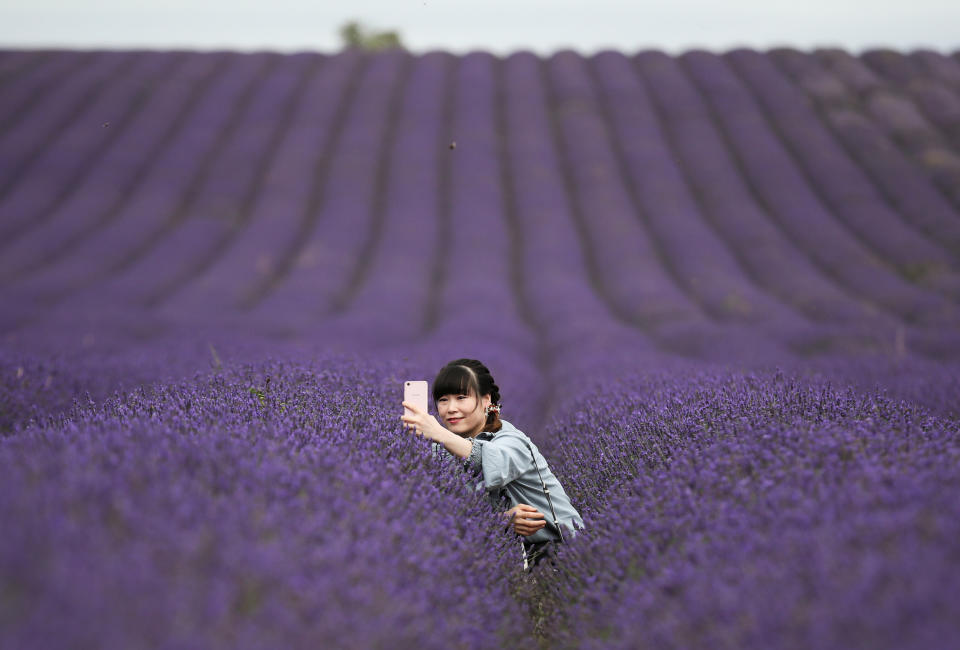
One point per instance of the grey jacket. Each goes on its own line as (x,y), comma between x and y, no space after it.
(504,461)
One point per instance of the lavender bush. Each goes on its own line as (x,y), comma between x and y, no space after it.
(756,510)
(261,506)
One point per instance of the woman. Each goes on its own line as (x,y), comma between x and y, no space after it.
(514,472)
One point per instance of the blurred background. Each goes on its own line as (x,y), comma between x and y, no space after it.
(563,186)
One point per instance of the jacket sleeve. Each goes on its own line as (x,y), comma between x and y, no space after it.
(502,459)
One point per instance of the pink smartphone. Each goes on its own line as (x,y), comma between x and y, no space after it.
(416,392)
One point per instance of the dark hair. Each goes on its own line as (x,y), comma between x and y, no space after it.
(465,377)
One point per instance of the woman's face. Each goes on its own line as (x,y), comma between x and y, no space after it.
(461,414)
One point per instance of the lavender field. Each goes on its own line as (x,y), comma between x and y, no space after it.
(720,291)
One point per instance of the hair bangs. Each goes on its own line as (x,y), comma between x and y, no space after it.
(455,380)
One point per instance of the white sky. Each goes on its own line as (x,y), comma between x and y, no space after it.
(498,26)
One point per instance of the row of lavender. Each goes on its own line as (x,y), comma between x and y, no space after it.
(757,510)
(278,503)
(685,204)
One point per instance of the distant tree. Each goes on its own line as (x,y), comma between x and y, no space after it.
(354,34)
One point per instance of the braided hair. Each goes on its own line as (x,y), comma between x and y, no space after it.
(466,377)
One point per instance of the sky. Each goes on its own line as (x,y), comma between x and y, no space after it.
(497,26)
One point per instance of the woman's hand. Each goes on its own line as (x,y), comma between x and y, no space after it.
(526,520)
(420,423)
